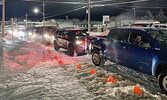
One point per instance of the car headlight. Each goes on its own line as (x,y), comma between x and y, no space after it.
(53,37)
(79,42)
(46,35)
(30,33)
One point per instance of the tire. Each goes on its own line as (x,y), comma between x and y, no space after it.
(162,81)
(72,51)
(56,47)
(97,59)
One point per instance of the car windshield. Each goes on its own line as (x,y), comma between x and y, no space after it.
(160,36)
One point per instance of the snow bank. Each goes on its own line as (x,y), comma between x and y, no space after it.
(25,55)
(122,89)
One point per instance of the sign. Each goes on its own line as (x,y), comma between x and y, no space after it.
(106,19)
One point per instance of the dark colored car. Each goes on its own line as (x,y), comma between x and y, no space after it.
(140,25)
(122,46)
(74,40)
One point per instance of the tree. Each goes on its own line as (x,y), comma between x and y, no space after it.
(161,17)
(148,15)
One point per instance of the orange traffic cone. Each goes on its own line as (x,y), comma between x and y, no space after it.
(60,62)
(111,79)
(55,57)
(92,71)
(79,66)
(137,90)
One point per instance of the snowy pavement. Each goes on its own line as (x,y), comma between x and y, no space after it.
(32,71)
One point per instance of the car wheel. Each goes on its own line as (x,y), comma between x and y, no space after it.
(162,80)
(72,51)
(56,47)
(97,59)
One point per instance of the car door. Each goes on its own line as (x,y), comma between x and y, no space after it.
(139,57)
(60,39)
(114,49)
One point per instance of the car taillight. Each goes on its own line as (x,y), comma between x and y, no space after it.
(86,41)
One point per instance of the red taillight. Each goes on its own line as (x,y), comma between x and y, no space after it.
(86,41)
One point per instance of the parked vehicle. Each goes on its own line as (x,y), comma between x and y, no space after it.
(145,24)
(74,40)
(142,49)
(161,26)
(140,25)
(44,35)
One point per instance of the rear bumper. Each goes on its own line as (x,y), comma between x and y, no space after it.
(80,49)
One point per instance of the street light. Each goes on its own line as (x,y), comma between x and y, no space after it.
(134,14)
(36,10)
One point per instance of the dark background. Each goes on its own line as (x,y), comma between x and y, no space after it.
(19,8)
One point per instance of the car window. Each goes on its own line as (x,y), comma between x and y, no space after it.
(160,37)
(60,33)
(138,39)
(120,35)
(78,33)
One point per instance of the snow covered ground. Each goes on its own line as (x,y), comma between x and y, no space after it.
(31,71)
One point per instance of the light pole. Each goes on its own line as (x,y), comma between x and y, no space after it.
(43,12)
(89,15)
(36,10)
(26,19)
(134,14)
(3,18)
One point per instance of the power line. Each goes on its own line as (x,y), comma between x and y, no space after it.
(120,3)
(101,1)
(59,2)
(137,10)
(143,7)
(66,12)
(64,9)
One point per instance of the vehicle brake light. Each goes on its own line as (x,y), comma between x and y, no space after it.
(86,41)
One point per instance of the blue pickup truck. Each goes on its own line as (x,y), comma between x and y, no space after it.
(142,49)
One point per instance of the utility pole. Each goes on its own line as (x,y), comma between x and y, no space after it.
(89,15)
(12,28)
(3,18)
(134,15)
(26,19)
(43,13)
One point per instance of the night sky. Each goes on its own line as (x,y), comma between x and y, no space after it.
(19,8)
